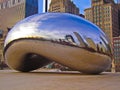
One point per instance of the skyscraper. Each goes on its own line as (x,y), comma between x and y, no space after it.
(104,13)
(12,11)
(66,6)
(116,52)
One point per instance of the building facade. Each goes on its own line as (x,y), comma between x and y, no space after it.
(12,11)
(116,52)
(66,6)
(104,13)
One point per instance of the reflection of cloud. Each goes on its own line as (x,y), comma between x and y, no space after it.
(56,26)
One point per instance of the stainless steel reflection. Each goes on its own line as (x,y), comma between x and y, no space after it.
(64,38)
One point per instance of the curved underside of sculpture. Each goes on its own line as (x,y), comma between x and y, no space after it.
(57,37)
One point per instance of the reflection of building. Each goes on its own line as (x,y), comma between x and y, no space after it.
(91,44)
(12,11)
(116,52)
(66,6)
(70,38)
(44,5)
(81,40)
(104,13)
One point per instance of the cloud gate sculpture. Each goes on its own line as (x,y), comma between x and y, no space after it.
(57,37)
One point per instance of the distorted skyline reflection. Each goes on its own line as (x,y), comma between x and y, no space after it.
(55,27)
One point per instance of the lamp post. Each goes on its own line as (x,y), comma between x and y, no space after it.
(46,5)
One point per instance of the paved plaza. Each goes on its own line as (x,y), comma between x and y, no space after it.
(56,80)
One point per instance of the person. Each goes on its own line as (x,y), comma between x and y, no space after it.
(1,65)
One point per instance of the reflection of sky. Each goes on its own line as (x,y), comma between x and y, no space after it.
(59,25)
(55,26)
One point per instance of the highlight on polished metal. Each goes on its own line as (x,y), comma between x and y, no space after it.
(57,37)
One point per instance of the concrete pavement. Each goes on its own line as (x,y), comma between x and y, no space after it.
(54,80)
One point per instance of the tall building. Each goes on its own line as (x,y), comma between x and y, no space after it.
(104,13)
(118,4)
(12,11)
(66,6)
(116,52)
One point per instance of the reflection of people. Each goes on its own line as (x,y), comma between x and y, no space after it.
(98,48)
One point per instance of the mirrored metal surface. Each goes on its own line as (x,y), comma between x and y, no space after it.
(64,38)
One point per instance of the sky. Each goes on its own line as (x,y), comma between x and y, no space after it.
(81,4)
